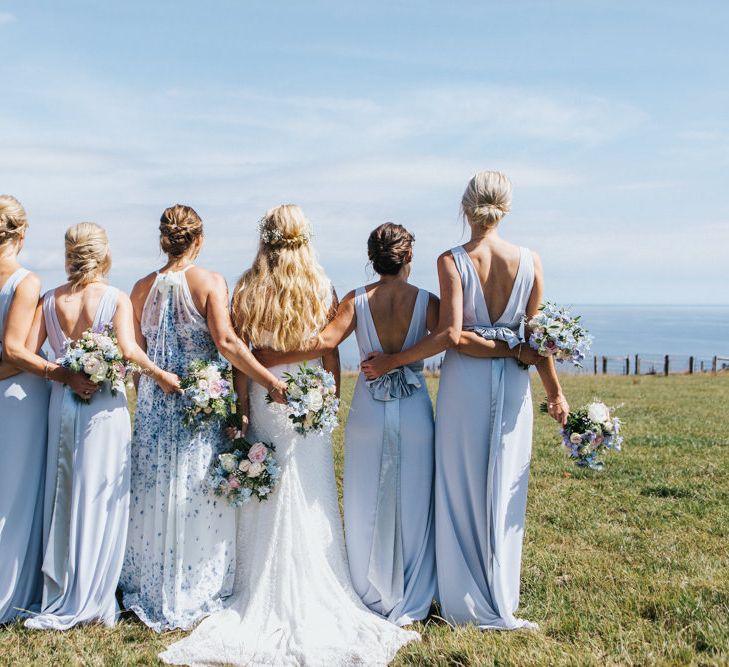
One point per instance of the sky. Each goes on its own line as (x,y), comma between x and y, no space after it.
(610,118)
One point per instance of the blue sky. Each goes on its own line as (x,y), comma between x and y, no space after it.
(611,118)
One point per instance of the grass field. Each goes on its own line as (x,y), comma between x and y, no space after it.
(625,567)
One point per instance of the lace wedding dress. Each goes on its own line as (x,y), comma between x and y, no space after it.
(293,601)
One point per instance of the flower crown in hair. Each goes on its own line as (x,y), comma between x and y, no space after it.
(274,238)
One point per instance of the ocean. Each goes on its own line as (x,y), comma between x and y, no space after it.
(650,331)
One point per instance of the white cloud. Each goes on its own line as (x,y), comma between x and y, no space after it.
(6,17)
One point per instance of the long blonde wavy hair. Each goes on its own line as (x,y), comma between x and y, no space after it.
(285,297)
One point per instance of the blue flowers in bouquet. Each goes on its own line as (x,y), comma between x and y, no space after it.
(249,471)
(207,393)
(97,355)
(590,432)
(556,333)
(312,400)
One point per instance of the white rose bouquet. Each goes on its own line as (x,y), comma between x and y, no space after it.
(97,355)
(249,471)
(589,433)
(207,393)
(312,400)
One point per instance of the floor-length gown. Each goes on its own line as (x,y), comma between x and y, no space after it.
(483,447)
(294,604)
(180,559)
(23,442)
(87,493)
(388,479)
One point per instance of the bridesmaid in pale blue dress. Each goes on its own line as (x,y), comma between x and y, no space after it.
(484,412)
(86,506)
(389,437)
(180,557)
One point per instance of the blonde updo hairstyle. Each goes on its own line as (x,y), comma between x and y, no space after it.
(180,228)
(13,223)
(88,257)
(285,297)
(486,200)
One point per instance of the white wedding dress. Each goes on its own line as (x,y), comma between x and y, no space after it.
(293,602)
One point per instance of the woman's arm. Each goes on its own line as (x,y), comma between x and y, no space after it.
(7,370)
(330,361)
(446,335)
(231,346)
(25,333)
(325,343)
(240,383)
(557,405)
(130,350)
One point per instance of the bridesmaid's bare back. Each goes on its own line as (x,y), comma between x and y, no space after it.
(391,306)
(76,308)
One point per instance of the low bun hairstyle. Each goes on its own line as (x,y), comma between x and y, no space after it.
(88,256)
(389,248)
(13,221)
(487,199)
(180,227)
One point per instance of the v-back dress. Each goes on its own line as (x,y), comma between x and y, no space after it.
(23,442)
(180,559)
(87,493)
(388,479)
(483,447)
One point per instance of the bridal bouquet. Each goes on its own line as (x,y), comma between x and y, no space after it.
(207,392)
(589,433)
(312,401)
(555,332)
(97,355)
(249,471)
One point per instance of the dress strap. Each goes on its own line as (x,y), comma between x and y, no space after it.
(7,291)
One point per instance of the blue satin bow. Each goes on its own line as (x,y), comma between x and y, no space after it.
(508,336)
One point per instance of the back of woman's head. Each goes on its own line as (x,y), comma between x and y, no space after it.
(88,257)
(180,228)
(390,248)
(13,222)
(487,199)
(284,298)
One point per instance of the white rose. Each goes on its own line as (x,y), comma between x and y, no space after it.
(315,400)
(228,461)
(245,465)
(598,413)
(255,469)
(608,426)
(295,392)
(99,375)
(575,438)
(90,363)
(211,374)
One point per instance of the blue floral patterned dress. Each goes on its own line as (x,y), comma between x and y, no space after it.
(180,557)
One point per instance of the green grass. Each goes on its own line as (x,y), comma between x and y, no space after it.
(625,567)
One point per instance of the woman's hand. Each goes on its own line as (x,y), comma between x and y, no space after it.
(80,385)
(377,364)
(558,409)
(234,433)
(277,391)
(527,355)
(169,383)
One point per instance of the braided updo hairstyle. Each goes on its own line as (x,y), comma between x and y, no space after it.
(389,248)
(88,257)
(180,227)
(487,199)
(13,222)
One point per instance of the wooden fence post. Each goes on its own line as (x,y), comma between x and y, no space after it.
(637,364)
(604,365)
(666,363)
(714,364)
(691,365)
(594,359)
(627,365)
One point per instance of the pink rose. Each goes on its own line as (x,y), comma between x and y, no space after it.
(258,453)
(551,347)
(215,390)
(599,439)
(233,482)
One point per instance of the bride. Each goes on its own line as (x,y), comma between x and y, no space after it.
(293,602)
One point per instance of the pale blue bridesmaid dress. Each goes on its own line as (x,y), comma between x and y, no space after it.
(180,559)
(23,442)
(388,479)
(87,493)
(483,448)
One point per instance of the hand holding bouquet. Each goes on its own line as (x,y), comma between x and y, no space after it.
(207,393)
(589,433)
(249,471)
(312,401)
(97,355)
(556,333)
